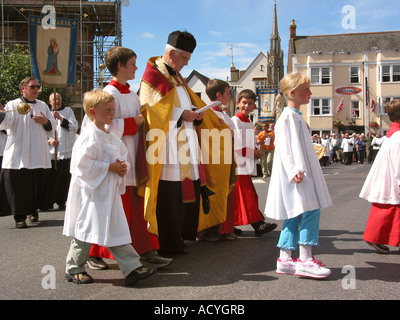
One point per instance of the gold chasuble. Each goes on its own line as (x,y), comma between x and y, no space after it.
(159,95)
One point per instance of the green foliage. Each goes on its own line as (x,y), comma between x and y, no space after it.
(15,65)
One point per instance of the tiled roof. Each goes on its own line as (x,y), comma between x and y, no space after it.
(350,42)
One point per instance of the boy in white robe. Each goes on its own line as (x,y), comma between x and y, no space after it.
(382,188)
(94,213)
(297,188)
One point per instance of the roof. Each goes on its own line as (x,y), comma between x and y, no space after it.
(202,78)
(348,42)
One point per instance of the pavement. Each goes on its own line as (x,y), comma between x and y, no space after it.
(32,261)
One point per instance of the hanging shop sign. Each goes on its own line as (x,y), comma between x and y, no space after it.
(348,90)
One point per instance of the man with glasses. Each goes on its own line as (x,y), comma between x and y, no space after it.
(26,159)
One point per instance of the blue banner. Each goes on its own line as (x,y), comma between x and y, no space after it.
(53,52)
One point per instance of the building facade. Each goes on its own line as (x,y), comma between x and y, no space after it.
(352,77)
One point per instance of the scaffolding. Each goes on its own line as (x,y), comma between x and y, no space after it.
(99,30)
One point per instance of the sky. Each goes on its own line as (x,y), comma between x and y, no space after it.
(239,30)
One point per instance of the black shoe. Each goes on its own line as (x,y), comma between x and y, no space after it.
(264,228)
(34,217)
(237,231)
(140,273)
(21,225)
(379,247)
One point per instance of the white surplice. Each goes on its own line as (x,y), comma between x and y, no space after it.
(126,106)
(26,145)
(244,139)
(94,211)
(295,153)
(66,137)
(383,180)
(171,168)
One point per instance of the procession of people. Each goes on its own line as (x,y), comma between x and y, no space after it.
(142,178)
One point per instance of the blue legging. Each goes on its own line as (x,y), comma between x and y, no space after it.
(301,230)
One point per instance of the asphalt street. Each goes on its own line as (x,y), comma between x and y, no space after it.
(32,260)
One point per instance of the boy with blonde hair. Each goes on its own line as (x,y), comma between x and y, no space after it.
(94,212)
(127,126)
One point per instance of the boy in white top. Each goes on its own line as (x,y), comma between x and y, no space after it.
(94,213)
(382,188)
(246,205)
(127,126)
(297,189)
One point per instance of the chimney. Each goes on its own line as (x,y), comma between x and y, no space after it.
(292,29)
(234,74)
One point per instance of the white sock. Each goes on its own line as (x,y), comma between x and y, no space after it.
(305,253)
(285,254)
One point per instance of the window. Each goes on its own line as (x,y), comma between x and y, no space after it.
(320,107)
(385,73)
(354,75)
(396,73)
(384,101)
(320,75)
(355,109)
(390,73)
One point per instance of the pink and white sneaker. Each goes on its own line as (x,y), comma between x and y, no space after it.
(311,268)
(286,267)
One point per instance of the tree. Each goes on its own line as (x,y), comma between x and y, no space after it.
(15,65)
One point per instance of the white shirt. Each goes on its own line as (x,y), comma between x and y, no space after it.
(295,153)
(347,144)
(94,211)
(377,143)
(66,137)
(27,145)
(383,180)
(328,146)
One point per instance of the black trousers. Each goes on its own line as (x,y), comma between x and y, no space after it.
(23,191)
(176,221)
(59,182)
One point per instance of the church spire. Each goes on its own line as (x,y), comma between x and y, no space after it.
(275,32)
(275,54)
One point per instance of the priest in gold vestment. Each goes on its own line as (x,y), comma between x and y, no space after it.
(180,187)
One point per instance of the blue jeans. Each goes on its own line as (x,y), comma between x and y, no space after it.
(301,230)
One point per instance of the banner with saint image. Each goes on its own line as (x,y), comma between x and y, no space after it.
(53,52)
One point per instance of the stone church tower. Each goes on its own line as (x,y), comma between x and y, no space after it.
(275,68)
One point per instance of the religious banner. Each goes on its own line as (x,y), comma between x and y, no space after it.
(53,52)
(266,104)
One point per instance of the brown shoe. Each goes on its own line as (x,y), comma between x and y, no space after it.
(79,278)
(140,273)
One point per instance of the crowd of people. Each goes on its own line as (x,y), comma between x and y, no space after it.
(348,148)
(131,194)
